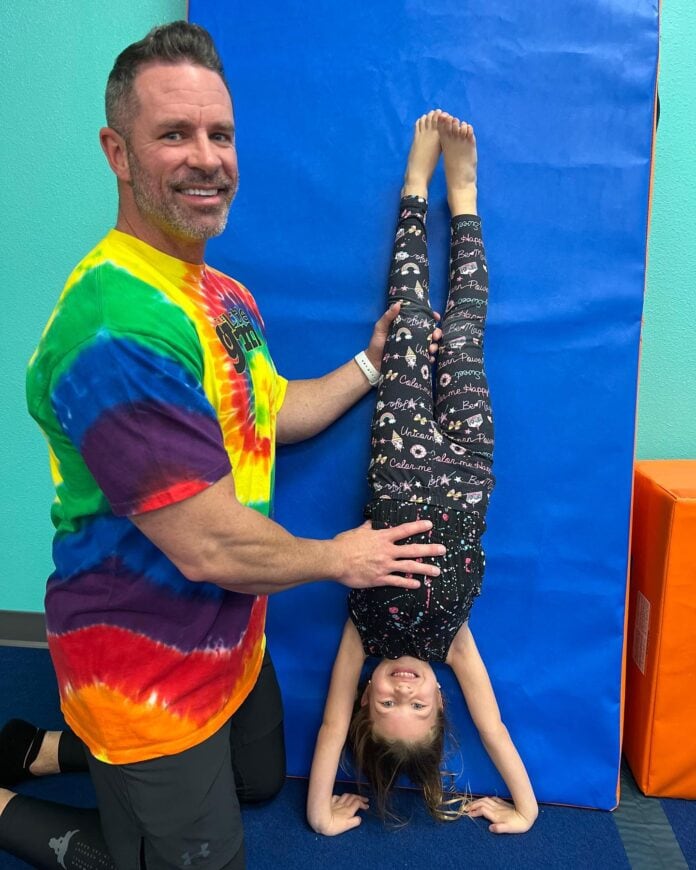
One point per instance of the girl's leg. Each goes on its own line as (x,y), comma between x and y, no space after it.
(462,405)
(401,425)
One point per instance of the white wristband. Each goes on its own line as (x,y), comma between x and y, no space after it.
(366,367)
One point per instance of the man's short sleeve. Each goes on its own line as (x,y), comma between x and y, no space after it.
(141,421)
(281,389)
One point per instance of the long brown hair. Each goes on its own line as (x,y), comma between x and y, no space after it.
(383,761)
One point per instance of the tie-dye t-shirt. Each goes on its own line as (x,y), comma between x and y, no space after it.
(151,381)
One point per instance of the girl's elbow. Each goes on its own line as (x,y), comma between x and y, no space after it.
(494,733)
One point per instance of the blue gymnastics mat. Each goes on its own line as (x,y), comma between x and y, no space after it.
(562,98)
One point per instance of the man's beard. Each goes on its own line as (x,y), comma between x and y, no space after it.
(165,212)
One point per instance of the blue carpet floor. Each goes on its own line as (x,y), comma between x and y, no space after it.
(278,837)
(682,818)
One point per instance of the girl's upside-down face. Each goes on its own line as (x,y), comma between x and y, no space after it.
(404,699)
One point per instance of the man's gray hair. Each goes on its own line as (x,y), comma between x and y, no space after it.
(178,42)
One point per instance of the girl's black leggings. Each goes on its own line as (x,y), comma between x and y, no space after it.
(432,442)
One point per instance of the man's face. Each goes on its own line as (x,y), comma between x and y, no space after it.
(181,151)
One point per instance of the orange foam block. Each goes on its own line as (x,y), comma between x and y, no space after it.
(660,702)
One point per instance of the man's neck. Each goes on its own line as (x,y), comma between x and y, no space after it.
(188,250)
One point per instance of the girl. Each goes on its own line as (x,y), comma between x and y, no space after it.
(431,459)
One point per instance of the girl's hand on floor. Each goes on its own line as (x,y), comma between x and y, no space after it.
(342,815)
(505,818)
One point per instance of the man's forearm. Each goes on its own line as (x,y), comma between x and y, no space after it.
(213,538)
(312,405)
(261,557)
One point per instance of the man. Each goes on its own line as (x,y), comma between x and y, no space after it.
(161,405)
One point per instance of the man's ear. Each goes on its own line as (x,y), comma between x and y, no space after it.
(114,147)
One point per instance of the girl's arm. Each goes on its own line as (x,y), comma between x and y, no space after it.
(466,662)
(328,813)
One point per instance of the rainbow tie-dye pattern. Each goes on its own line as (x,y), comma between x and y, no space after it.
(152,379)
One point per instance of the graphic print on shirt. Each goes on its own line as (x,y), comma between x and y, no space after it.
(238,336)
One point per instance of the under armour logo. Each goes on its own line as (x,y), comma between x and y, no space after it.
(203,852)
(60,845)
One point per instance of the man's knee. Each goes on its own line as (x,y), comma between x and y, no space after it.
(265,786)
(259,770)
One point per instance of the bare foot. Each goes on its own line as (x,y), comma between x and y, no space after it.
(459,150)
(423,156)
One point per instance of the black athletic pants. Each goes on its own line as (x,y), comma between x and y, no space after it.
(177,811)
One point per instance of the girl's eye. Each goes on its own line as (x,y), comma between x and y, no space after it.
(417,706)
(387,703)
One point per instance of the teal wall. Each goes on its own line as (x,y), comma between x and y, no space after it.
(58,197)
(667,392)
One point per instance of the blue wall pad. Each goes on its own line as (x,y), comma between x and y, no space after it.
(562,98)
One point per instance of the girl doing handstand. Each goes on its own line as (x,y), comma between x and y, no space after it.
(431,459)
